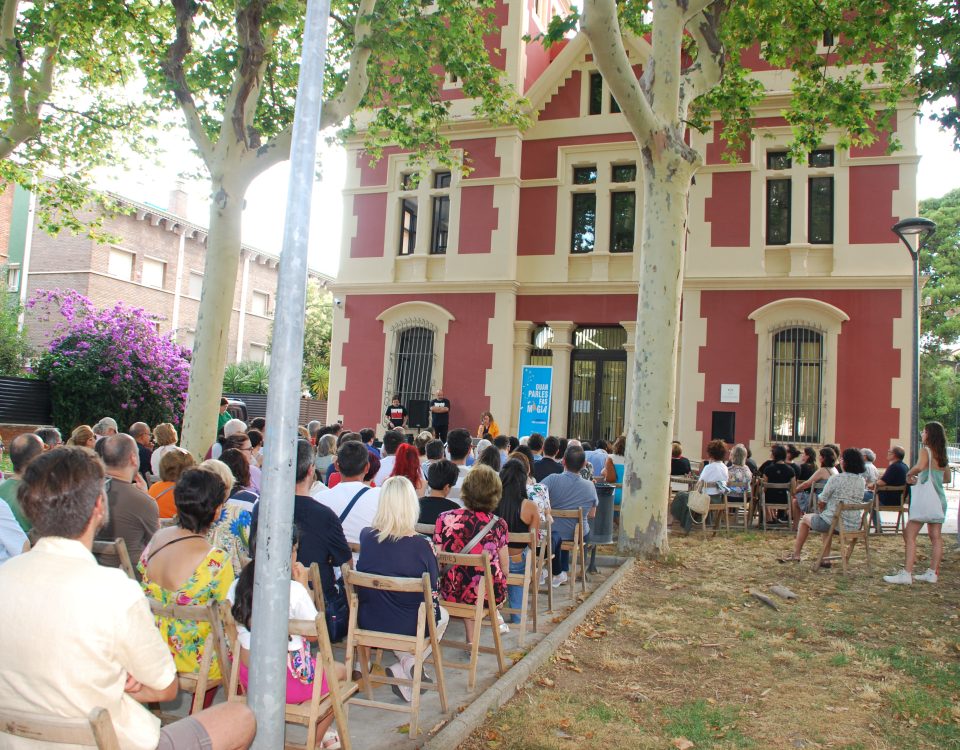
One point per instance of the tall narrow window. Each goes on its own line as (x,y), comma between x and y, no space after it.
(596,93)
(828,38)
(614,105)
(820,200)
(584,224)
(797,388)
(441,214)
(414,363)
(623,218)
(408,216)
(778,199)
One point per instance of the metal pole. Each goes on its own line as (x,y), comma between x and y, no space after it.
(915,381)
(271,597)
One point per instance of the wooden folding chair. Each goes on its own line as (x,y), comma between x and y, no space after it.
(862,532)
(545,562)
(215,644)
(484,609)
(364,640)
(118,549)
(309,713)
(903,509)
(526,580)
(787,505)
(426,529)
(94,730)
(575,546)
(739,496)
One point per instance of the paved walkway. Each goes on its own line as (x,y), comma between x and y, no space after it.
(373,729)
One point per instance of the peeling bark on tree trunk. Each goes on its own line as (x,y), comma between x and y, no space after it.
(213,320)
(644,512)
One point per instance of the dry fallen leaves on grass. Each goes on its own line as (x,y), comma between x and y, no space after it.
(681,743)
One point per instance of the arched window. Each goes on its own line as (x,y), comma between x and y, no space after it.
(797,387)
(413,361)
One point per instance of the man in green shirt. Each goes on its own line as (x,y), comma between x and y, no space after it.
(23,449)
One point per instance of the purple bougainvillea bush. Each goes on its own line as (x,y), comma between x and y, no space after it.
(109,362)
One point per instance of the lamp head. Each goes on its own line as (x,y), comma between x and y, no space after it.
(914,230)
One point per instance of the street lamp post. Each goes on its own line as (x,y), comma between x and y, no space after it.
(914,234)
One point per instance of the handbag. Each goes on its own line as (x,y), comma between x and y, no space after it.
(698,501)
(925,503)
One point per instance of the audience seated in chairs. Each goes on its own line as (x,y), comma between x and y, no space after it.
(805,490)
(99,646)
(392,547)
(840,488)
(712,475)
(455,530)
(569,491)
(777,471)
(179,566)
(172,466)
(442,475)
(522,516)
(301,664)
(231,529)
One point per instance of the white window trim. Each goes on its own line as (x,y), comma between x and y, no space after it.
(424,193)
(163,263)
(604,159)
(266,309)
(796,311)
(605,94)
(13,268)
(190,275)
(799,175)
(133,262)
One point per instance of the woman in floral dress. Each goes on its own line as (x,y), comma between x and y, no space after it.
(179,566)
(455,529)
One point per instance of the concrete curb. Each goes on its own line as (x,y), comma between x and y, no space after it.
(460,727)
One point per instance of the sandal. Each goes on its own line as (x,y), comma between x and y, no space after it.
(788,558)
(331,741)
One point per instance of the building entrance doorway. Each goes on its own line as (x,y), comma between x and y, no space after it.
(598,384)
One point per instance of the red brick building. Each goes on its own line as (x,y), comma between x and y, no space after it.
(796,301)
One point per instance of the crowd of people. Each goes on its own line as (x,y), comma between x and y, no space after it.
(814,484)
(190,528)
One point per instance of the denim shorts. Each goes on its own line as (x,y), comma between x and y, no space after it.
(819,525)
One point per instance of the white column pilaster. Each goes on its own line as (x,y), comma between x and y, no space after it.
(562,347)
(522,330)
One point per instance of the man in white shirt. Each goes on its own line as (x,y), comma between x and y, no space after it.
(354,502)
(391,441)
(102,649)
(12,539)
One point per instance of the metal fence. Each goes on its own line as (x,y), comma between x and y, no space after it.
(24,401)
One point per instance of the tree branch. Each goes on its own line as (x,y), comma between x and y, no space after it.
(664,72)
(248,76)
(172,68)
(694,7)
(337,110)
(602,28)
(41,90)
(707,70)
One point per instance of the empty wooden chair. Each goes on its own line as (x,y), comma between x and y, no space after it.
(484,610)
(526,580)
(364,641)
(118,549)
(94,730)
(575,546)
(847,539)
(310,713)
(214,645)
(545,562)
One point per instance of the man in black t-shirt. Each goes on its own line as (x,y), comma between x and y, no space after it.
(440,415)
(395,417)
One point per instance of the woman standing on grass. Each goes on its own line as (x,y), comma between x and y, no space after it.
(932,466)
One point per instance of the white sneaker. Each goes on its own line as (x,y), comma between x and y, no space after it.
(504,628)
(929,577)
(902,577)
(559,580)
(543,576)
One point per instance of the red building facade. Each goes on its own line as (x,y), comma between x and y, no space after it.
(796,302)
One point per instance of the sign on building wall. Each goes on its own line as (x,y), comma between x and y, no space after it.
(535,391)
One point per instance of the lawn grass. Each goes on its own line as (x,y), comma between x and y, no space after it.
(681,653)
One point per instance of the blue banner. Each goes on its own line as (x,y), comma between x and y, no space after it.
(536,388)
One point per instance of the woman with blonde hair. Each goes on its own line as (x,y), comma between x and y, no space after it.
(171,468)
(326,454)
(391,546)
(165,438)
(231,529)
(82,437)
